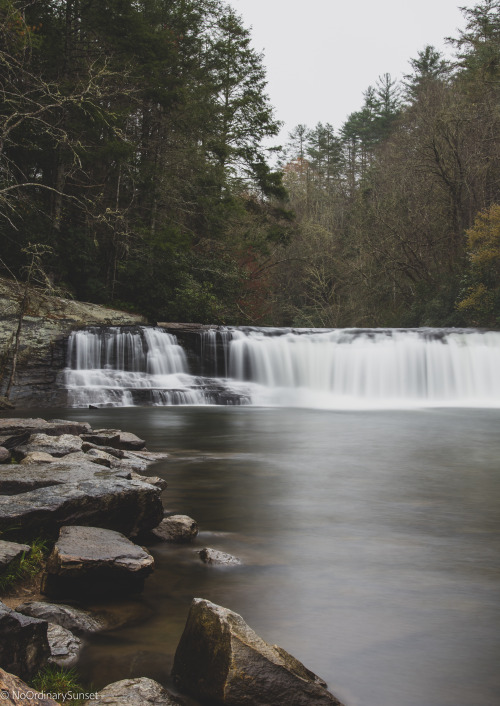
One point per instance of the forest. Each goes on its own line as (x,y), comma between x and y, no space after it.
(136,171)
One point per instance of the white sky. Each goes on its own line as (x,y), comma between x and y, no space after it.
(322,54)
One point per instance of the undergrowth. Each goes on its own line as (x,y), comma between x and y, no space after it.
(60,681)
(26,567)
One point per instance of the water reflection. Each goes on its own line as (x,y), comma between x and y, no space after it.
(370,543)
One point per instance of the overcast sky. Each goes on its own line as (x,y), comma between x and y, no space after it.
(321,55)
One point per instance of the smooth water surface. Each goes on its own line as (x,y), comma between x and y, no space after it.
(370,544)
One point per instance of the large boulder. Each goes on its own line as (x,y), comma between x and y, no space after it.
(221,659)
(15,692)
(67,616)
(93,496)
(176,528)
(90,561)
(24,648)
(9,551)
(136,692)
(17,431)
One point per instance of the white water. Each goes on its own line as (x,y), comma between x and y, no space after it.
(339,369)
(120,367)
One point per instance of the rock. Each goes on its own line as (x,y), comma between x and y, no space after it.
(56,427)
(24,648)
(115,438)
(98,497)
(69,617)
(136,692)
(177,528)
(38,457)
(94,561)
(64,646)
(5,403)
(221,659)
(54,445)
(4,455)
(101,457)
(213,556)
(117,453)
(158,482)
(15,692)
(10,551)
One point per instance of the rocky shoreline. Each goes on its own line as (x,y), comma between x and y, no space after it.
(83,491)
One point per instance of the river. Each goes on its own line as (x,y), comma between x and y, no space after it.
(370,543)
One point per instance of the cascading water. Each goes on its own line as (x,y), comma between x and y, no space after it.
(344,368)
(123,367)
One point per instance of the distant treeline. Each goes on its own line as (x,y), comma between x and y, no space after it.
(134,167)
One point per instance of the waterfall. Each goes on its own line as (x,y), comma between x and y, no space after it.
(127,366)
(341,368)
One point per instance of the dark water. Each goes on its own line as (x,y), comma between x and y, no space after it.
(370,544)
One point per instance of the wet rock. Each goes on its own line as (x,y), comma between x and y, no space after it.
(177,528)
(67,616)
(15,692)
(24,648)
(136,692)
(54,445)
(64,646)
(9,551)
(37,457)
(213,556)
(94,561)
(4,455)
(105,500)
(5,403)
(221,659)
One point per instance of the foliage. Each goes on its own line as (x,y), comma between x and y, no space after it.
(59,680)
(481,300)
(25,568)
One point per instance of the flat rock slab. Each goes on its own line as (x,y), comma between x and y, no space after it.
(24,648)
(37,457)
(217,558)
(67,616)
(109,501)
(177,528)
(15,692)
(54,445)
(115,438)
(64,646)
(136,692)
(9,551)
(17,431)
(221,659)
(94,561)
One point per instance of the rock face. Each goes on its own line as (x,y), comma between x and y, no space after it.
(66,616)
(217,558)
(15,692)
(9,551)
(177,528)
(24,648)
(93,561)
(221,659)
(135,692)
(42,351)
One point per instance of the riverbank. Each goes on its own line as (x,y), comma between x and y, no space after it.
(83,492)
